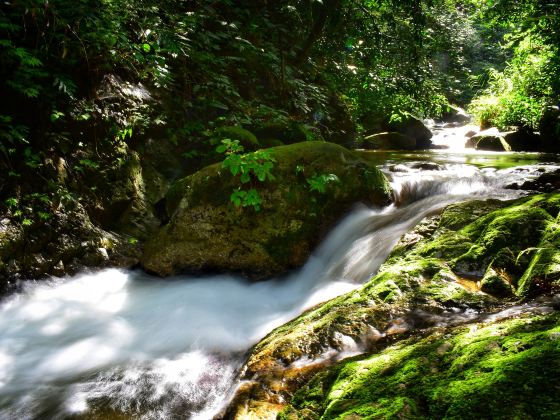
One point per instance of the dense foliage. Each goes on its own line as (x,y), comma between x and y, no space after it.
(85,83)
(517,95)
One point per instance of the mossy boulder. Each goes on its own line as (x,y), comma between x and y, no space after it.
(508,249)
(245,137)
(412,127)
(289,132)
(206,232)
(389,141)
(500,369)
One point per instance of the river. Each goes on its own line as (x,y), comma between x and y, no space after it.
(122,344)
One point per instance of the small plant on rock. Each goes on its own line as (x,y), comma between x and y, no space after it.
(252,168)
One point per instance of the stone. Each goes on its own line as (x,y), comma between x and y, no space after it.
(491,143)
(412,127)
(522,141)
(389,141)
(427,166)
(420,286)
(245,138)
(549,128)
(496,284)
(58,270)
(489,139)
(206,232)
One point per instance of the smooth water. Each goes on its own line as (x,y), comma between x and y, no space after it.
(118,341)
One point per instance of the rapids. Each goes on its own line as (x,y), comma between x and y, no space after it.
(121,342)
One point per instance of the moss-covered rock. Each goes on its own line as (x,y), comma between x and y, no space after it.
(65,243)
(504,369)
(128,196)
(287,133)
(433,272)
(246,138)
(207,232)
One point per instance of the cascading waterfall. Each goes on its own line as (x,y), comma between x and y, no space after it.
(118,341)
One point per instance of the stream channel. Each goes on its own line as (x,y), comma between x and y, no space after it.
(122,344)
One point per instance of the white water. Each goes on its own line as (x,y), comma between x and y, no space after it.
(151,348)
(453,139)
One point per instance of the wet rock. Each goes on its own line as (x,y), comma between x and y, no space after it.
(496,284)
(549,128)
(58,269)
(207,232)
(522,141)
(474,139)
(67,242)
(547,182)
(389,141)
(491,143)
(427,166)
(470,133)
(412,127)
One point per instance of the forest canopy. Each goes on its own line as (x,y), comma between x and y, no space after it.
(85,82)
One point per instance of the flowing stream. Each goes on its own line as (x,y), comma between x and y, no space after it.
(121,342)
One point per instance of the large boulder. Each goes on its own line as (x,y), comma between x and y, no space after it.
(510,250)
(549,127)
(522,141)
(389,141)
(490,139)
(206,232)
(412,127)
(492,143)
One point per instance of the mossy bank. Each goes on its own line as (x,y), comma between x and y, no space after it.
(476,257)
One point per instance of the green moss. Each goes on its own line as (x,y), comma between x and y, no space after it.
(421,275)
(508,369)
